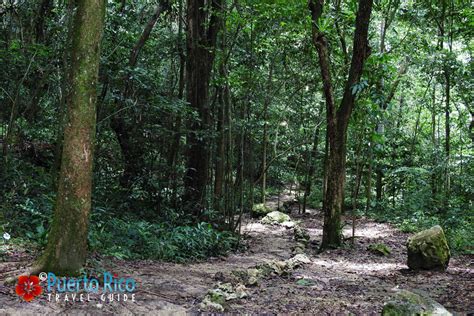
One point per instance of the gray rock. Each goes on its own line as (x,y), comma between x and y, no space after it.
(275,217)
(409,303)
(428,250)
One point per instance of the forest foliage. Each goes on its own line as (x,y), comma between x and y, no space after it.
(410,157)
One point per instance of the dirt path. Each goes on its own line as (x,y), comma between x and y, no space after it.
(350,280)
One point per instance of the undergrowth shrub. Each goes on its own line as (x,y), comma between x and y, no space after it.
(127,239)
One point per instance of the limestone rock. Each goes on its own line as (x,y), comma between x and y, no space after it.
(301,234)
(275,217)
(298,260)
(428,250)
(216,298)
(249,276)
(409,303)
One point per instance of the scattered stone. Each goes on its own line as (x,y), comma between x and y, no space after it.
(241,291)
(283,267)
(207,305)
(298,260)
(302,239)
(253,276)
(409,303)
(301,234)
(428,250)
(300,248)
(379,249)
(248,277)
(275,218)
(278,267)
(216,298)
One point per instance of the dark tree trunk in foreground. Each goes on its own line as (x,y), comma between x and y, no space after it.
(66,251)
(338,118)
(204,23)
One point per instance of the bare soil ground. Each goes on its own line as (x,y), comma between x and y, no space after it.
(349,280)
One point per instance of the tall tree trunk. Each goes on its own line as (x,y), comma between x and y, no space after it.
(338,119)
(204,22)
(66,250)
(222,129)
(176,145)
(266,104)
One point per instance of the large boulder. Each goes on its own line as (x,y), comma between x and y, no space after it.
(428,250)
(275,218)
(409,303)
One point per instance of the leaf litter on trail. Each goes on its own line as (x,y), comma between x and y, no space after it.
(348,280)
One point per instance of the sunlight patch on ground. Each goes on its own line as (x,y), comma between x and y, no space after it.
(369,231)
(260,228)
(371,267)
(461,270)
(350,266)
(315,231)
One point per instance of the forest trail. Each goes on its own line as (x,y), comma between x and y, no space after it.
(348,280)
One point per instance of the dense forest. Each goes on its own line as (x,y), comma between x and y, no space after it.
(324,148)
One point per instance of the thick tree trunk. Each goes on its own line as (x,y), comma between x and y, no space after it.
(204,23)
(66,251)
(338,119)
(334,199)
(221,141)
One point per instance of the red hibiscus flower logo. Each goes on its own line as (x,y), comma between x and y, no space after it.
(28,287)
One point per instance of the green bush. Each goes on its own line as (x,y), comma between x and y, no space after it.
(457,224)
(127,239)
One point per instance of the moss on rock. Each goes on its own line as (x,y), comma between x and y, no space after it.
(275,217)
(409,303)
(428,250)
(259,210)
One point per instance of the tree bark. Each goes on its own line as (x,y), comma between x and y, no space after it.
(265,133)
(338,119)
(204,22)
(66,250)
